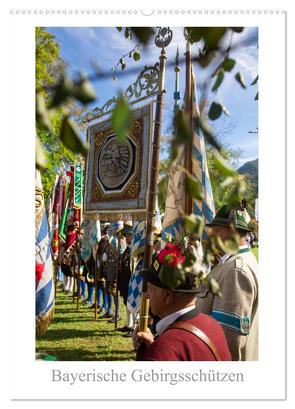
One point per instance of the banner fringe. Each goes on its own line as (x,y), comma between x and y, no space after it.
(112,217)
(42,323)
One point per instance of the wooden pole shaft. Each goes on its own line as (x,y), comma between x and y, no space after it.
(78,280)
(153,189)
(154,170)
(74,284)
(95,287)
(55,269)
(117,285)
(188,207)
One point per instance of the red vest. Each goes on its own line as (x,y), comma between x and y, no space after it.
(180,345)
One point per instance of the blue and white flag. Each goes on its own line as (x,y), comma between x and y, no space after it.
(204,207)
(175,200)
(135,289)
(44,272)
(138,239)
(174,207)
(91,236)
(137,249)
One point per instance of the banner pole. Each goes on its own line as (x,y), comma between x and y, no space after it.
(117,286)
(153,189)
(188,207)
(74,283)
(78,278)
(95,287)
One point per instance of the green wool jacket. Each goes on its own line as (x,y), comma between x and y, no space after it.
(237,309)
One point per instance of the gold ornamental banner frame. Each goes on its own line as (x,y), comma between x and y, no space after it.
(127,197)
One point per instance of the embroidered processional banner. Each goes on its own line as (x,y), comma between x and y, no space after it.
(117,173)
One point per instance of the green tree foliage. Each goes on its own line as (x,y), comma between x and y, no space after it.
(49,67)
(221,182)
(49,64)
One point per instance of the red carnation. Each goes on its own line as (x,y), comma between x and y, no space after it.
(171,255)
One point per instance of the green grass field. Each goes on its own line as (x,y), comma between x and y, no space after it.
(76,336)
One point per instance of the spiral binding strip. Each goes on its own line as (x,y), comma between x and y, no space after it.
(145,12)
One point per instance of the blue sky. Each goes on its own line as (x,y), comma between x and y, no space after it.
(81,46)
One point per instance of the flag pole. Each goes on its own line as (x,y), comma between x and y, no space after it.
(188,206)
(162,40)
(117,286)
(78,253)
(95,287)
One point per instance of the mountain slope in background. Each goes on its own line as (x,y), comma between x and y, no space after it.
(250,170)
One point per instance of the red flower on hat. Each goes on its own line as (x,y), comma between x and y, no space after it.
(171,255)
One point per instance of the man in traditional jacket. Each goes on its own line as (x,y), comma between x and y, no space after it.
(236,275)
(114,247)
(124,274)
(183,333)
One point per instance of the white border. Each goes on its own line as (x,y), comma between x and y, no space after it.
(265,379)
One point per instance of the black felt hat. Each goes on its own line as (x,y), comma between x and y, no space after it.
(153,276)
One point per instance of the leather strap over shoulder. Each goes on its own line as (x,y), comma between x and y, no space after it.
(198,333)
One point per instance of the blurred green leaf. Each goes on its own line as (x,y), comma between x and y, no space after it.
(193,187)
(239,77)
(84,92)
(42,114)
(119,29)
(121,119)
(136,56)
(182,126)
(227,182)
(123,64)
(232,244)
(162,188)
(143,34)
(202,123)
(237,192)
(216,245)
(63,90)
(222,166)
(256,97)
(194,225)
(205,59)
(174,152)
(171,278)
(41,161)
(215,111)
(70,137)
(127,32)
(255,81)
(194,34)
(212,36)
(214,287)
(209,257)
(219,79)
(229,64)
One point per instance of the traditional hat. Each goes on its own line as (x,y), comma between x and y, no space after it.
(227,216)
(127,230)
(164,263)
(128,227)
(115,227)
